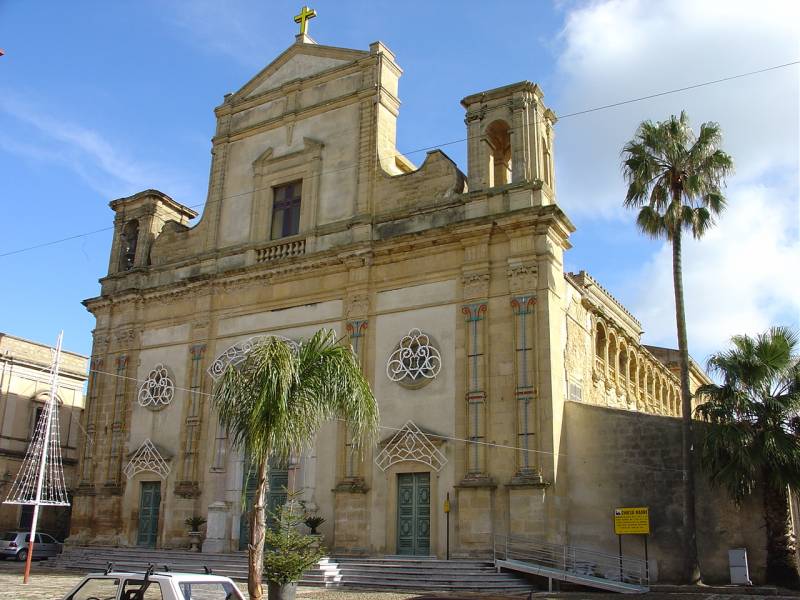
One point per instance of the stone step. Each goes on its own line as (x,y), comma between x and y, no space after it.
(419,574)
(443,576)
(377,583)
(390,572)
(416,565)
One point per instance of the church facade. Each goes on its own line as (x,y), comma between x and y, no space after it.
(521,392)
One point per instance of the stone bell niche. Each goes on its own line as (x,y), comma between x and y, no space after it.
(139,219)
(510,144)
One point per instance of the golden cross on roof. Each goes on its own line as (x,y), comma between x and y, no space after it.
(305,14)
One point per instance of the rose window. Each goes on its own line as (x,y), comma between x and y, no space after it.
(158,389)
(415,360)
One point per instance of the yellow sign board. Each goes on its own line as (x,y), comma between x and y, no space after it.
(632,520)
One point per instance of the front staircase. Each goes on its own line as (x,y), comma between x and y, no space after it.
(388,573)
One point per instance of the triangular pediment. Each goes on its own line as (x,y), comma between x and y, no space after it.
(296,62)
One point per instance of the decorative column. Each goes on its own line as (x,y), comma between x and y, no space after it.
(525,389)
(475,318)
(92,397)
(356,332)
(351,514)
(113,474)
(188,484)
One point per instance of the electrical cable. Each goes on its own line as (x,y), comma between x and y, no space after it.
(210,202)
(452,438)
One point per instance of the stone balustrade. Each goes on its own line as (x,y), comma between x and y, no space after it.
(277,251)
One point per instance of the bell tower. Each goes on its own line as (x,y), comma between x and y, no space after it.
(139,219)
(510,140)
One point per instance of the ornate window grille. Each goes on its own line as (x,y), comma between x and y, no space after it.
(147,458)
(237,353)
(157,390)
(414,361)
(410,444)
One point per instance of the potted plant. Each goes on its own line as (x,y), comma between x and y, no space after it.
(194,523)
(288,552)
(312,522)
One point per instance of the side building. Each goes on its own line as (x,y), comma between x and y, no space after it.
(24,390)
(522,391)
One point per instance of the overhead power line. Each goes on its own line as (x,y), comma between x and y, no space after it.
(209,202)
(452,438)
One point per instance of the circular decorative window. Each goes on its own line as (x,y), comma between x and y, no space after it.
(158,389)
(415,360)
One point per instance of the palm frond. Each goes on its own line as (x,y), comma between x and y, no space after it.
(651,223)
(753,416)
(276,399)
(665,163)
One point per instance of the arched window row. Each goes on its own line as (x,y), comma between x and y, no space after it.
(621,364)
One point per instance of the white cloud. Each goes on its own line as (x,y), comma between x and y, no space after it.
(740,278)
(621,49)
(84,151)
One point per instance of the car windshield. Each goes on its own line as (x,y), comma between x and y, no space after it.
(9,536)
(209,590)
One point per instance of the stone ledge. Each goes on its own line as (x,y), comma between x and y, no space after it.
(477,481)
(528,481)
(351,486)
(86,489)
(187,489)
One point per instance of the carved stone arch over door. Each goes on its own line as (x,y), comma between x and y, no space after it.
(410,443)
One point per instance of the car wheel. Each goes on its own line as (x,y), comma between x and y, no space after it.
(22,555)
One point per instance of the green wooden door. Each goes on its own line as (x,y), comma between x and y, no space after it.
(278,483)
(414,513)
(149,502)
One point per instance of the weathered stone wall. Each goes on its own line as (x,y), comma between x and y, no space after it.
(351,531)
(616,458)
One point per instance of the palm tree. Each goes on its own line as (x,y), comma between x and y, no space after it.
(754,437)
(273,403)
(674,180)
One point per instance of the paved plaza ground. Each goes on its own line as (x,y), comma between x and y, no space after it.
(46,584)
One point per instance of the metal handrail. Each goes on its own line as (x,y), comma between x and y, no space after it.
(571,559)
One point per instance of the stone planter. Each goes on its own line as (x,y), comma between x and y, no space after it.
(278,591)
(194,540)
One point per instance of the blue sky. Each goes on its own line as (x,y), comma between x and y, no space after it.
(99,100)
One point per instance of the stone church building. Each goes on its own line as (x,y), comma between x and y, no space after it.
(522,391)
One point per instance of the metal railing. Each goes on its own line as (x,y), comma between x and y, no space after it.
(571,559)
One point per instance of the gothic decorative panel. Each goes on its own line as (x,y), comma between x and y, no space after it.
(414,361)
(157,390)
(410,444)
(147,458)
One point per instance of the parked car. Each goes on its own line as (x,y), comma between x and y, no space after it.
(14,544)
(113,585)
